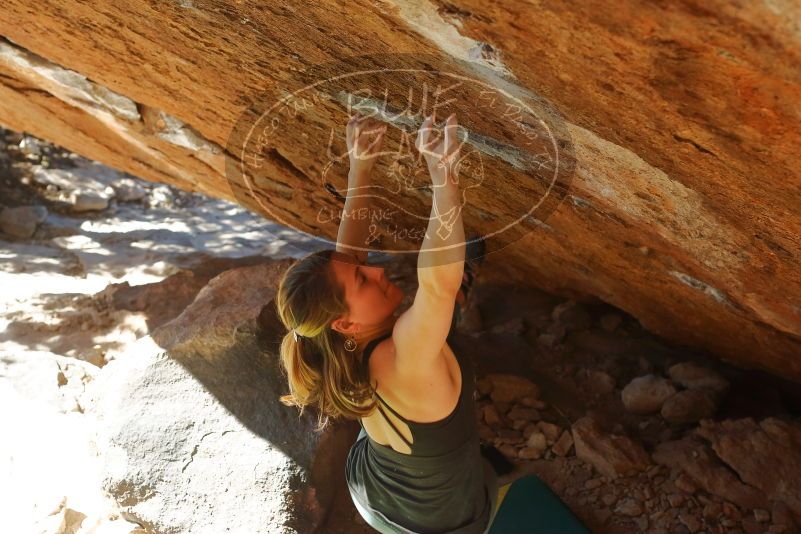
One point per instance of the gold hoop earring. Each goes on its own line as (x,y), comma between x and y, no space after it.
(350,344)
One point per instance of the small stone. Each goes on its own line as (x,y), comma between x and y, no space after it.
(730,510)
(563,444)
(30,147)
(642,524)
(690,521)
(694,376)
(513,326)
(509,451)
(685,483)
(21,221)
(502,407)
(485,433)
(690,406)
(530,429)
(507,435)
(609,499)
(613,455)
(128,190)
(491,416)
(572,316)
(653,471)
(484,386)
(650,504)
(508,388)
(763,516)
(87,201)
(646,394)
(712,510)
(526,414)
(675,500)
(629,507)
(161,196)
(530,453)
(537,441)
(596,382)
(550,430)
(520,424)
(547,340)
(593,483)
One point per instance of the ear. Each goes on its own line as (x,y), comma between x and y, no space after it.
(342,326)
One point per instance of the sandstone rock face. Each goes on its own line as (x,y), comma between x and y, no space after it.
(749,463)
(678,124)
(764,454)
(698,461)
(194,437)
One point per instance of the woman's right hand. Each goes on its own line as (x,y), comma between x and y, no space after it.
(441,152)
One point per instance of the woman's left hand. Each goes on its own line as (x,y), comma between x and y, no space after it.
(365,137)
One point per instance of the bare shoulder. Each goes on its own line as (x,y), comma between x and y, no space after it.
(385,370)
(439,386)
(381,360)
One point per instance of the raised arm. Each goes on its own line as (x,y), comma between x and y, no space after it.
(364,139)
(420,332)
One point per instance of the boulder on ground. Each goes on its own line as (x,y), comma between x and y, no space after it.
(510,388)
(690,405)
(766,455)
(698,461)
(691,376)
(646,394)
(192,431)
(612,455)
(21,221)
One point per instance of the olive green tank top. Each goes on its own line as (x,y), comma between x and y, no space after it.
(440,486)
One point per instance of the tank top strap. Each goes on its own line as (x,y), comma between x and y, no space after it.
(368,350)
(388,420)
(458,403)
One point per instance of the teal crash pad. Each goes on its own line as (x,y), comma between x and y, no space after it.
(530,507)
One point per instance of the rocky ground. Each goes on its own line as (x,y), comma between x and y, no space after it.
(634,433)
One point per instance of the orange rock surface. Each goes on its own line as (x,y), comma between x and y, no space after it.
(679,195)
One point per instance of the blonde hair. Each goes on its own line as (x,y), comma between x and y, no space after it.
(319,371)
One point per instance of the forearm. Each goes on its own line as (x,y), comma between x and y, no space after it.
(441,261)
(354,226)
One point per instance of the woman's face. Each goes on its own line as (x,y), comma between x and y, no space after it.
(371,297)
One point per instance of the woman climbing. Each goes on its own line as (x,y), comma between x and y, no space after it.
(416,466)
